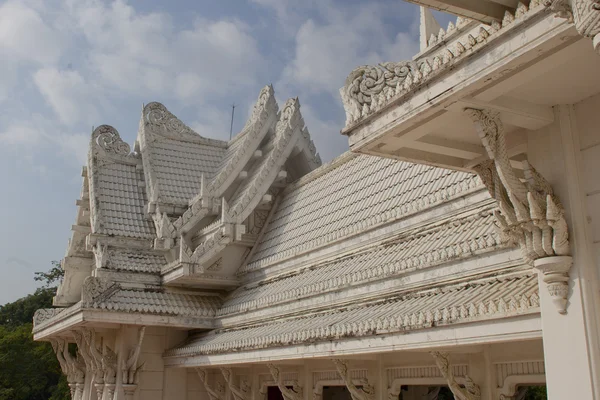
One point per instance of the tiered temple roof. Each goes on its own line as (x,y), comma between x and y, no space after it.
(252,245)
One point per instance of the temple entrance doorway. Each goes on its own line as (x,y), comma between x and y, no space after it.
(336,393)
(273,393)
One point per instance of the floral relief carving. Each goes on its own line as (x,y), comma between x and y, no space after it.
(585,14)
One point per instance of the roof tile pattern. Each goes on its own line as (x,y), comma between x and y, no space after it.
(456,239)
(122,202)
(466,302)
(179,165)
(362,191)
(153,302)
(134,261)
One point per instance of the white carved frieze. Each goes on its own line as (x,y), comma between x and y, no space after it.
(585,14)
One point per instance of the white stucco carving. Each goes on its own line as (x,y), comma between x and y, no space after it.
(471,390)
(366,392)
(585,14)
(530,213)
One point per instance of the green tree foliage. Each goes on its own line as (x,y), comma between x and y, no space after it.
(29,370)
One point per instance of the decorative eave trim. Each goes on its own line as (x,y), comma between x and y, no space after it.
(390,324)
(443,195)
(428,259)
(370,89)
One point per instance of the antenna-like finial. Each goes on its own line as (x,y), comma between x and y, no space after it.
(231,126)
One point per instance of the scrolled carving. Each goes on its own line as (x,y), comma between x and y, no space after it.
(107,139)
(166,123)
(471,390)
(368,86)
(44,314)
(585,14)
(95,290)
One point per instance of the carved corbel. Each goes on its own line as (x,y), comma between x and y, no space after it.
(471,390)
(585,14)
(130,369)
(367,392)
(531,216)
(241,392)
(73,367)
(89,336)
(218,393)
(295,393)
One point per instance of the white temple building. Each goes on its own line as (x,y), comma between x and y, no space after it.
(430,261)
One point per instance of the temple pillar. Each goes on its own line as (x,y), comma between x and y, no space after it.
(571,344)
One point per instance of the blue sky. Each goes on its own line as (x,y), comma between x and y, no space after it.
(67,66)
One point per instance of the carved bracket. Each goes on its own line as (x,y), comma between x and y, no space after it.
(130,368)
(585,14)
(367,392)
(531,215)
(218,393)
(471,390)
(241,392)
(295,393)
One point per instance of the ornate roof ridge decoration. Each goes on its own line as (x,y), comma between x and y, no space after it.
(444,194)
(252,134)
(368,89)
(531,216)
(44,314)
(427,258)
(508,303)
(106,145)
(289,122)
(585,14)
(471,391)
(165,124)
(97,290)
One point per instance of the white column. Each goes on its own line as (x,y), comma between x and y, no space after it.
(571,348)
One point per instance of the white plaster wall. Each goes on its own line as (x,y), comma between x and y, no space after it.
(157,382)
(588,124)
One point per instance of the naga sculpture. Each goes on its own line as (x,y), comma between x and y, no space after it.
(131,369)
(471,390)
(241,392)
(367,392)
(531,215)
(218,393)
(295,393)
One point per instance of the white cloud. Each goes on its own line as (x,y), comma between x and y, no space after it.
(25,36)
(326,52)
(68,94)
